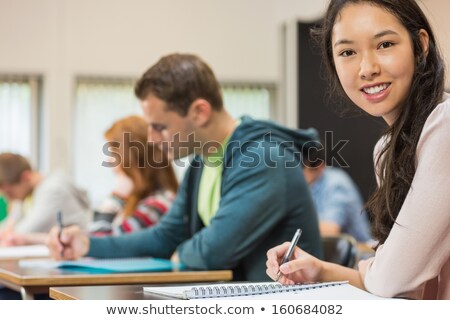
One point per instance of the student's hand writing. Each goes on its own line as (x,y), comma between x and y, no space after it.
(14,239)
(73,244)
(4,235)
(303,267)
(175,258)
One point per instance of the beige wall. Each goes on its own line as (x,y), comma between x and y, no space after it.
(438,13)
(60,39)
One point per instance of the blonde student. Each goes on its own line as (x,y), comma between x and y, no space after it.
(384,57)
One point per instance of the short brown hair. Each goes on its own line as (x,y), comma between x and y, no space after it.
(11,168)
(178,80)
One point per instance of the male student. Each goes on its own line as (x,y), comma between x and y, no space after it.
(338,203)
(36,198)
(243,194)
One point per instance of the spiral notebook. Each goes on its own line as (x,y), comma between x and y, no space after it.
(265,290)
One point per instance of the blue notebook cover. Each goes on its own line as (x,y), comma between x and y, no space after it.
(123,265)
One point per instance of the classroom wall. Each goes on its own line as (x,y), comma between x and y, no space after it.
(60,39)
(437,11)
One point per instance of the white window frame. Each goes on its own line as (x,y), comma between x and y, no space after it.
(35,83)
(274,112)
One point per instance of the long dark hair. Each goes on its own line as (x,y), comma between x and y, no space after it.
(396,163)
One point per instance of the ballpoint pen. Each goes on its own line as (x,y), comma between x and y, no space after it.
(289,252)
(60,226)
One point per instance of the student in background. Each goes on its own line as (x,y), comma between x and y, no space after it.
(242,194)
(38,198)
(337,200)
(383,55)
(145,181)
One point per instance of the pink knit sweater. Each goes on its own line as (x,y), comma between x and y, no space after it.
(414,261)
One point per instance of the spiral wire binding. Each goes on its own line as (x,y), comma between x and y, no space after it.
(251,289)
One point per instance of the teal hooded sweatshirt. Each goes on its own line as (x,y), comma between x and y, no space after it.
(264,199)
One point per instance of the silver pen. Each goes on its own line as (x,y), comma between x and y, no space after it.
(289,252)
(60,226)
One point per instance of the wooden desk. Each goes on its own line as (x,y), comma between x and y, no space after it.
(30,281)
(134,292)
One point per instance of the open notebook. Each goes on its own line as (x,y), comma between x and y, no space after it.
(106,265)
(31,251)
(266,290)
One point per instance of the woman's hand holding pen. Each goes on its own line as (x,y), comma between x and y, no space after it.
(302,268)
(67,244)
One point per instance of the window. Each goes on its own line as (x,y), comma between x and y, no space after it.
(100,102)
(255,100)
(19,102)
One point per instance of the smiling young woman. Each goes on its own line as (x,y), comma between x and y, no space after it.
(374,59)
(382,56)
